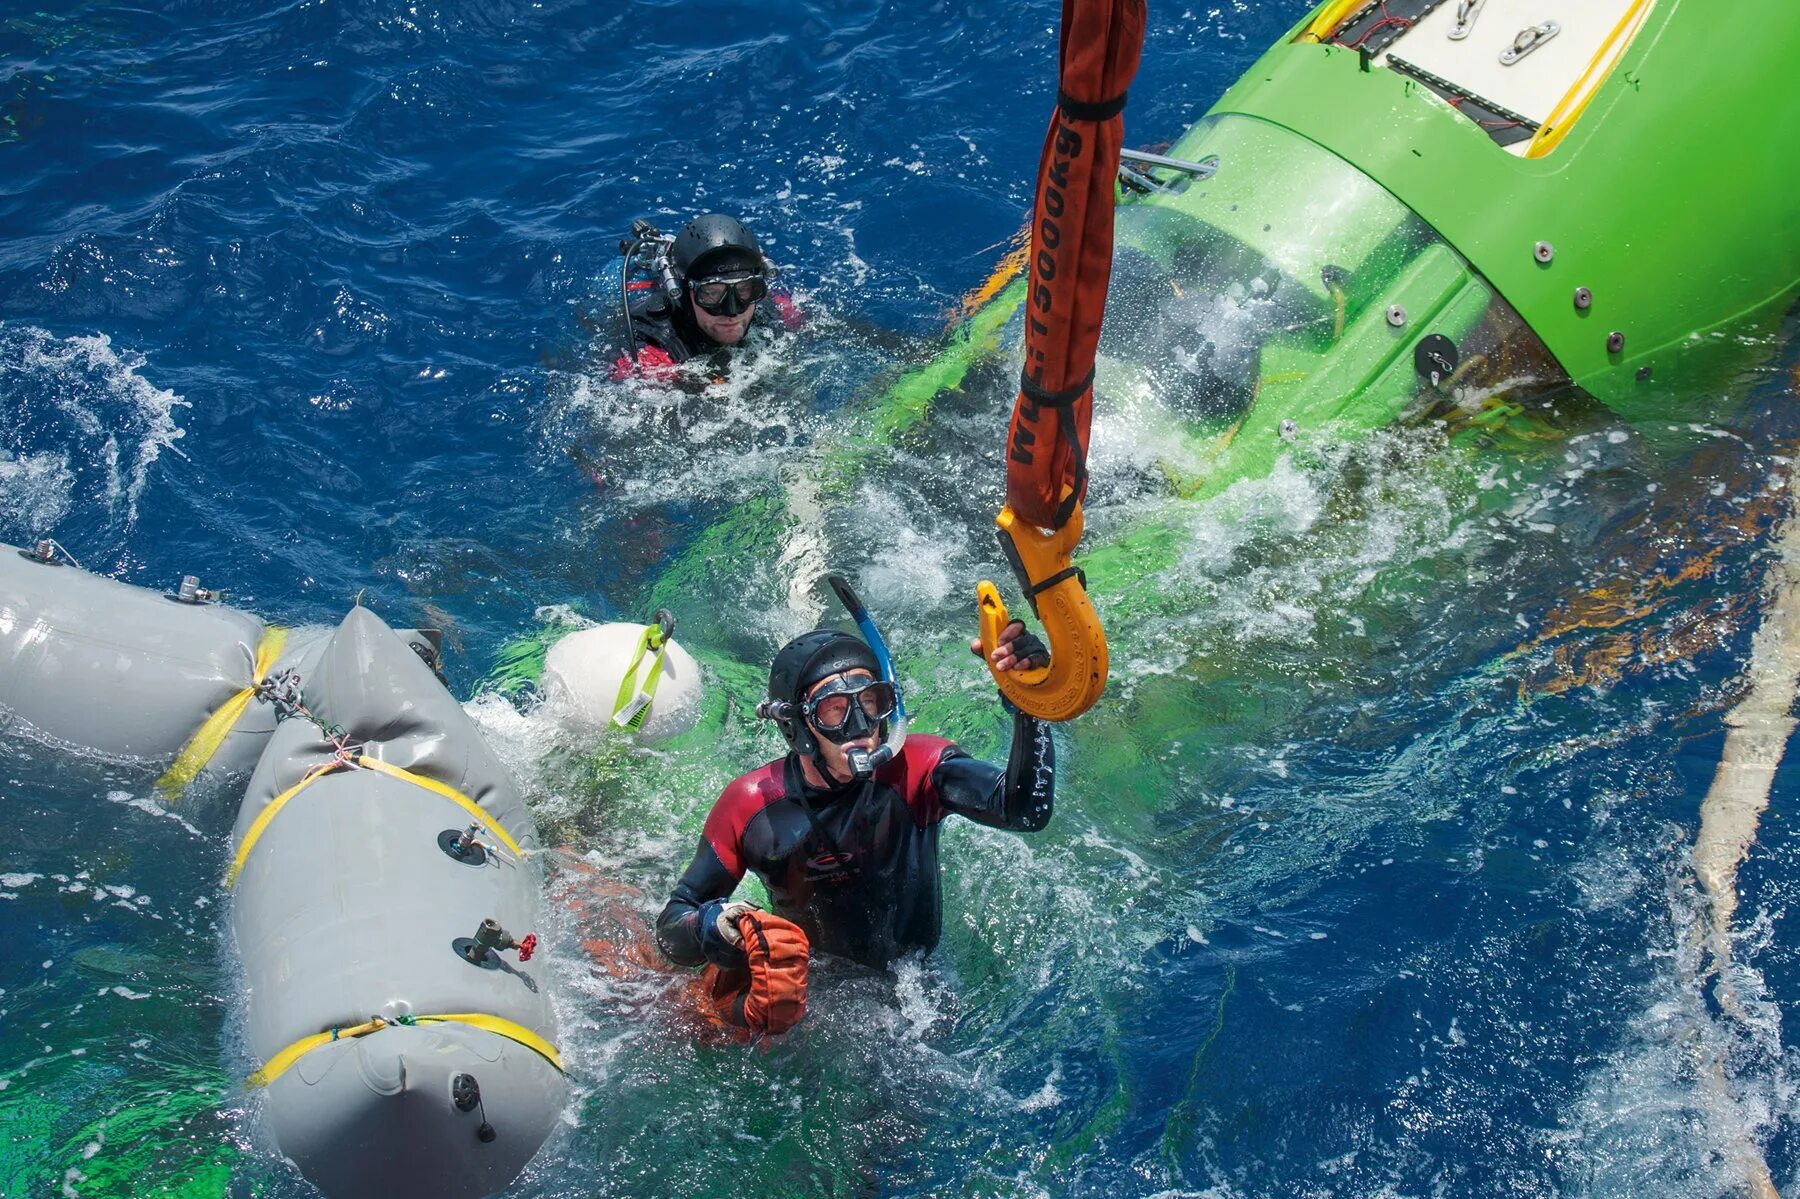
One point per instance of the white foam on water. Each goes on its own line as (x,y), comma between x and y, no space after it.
(561,614)
(692,436)
(915,562)
(1046,1096)
(105,410)
(151,807)
(36,490)
(1684,1106)
(1264,559)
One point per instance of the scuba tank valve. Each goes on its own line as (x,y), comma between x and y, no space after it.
(644,252)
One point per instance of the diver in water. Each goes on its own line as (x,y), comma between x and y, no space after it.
(843,830)
(695,294)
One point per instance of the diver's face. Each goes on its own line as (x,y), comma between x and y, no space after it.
(837,760)
(726,330)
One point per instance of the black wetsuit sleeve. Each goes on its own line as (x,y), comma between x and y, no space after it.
(1020,796)
(684,934)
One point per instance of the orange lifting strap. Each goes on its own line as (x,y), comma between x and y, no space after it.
(1071,263)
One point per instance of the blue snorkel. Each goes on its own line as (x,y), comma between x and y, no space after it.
(865,764)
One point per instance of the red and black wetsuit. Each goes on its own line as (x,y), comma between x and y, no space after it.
(856,866)
(667,334)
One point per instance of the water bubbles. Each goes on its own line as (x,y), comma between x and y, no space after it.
(81,425)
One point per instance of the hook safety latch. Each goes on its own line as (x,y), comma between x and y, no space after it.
(1056,590)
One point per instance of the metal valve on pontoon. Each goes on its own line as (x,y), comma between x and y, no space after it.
(190,592)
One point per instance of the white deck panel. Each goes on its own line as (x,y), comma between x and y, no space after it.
(1530,87)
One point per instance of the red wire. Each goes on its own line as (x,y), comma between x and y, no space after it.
(1456,103)
(1387,19)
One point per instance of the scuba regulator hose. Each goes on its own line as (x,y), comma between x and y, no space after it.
(645,238)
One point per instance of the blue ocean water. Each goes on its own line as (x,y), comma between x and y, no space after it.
(303,301)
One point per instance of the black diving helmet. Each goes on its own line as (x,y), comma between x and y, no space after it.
(721,264)
(845,709)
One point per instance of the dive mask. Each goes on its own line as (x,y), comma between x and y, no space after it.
(847,708)
(729,295)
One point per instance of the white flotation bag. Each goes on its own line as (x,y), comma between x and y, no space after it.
(628,676)
(381,846)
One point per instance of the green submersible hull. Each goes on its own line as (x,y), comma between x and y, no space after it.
(1424,201)
(1413,204)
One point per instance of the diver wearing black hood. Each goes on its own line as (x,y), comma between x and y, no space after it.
(712,276)
(843,831)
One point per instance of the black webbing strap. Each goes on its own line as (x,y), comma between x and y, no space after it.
(1064,402)
(1068,572)
(1090,110)
(1066,509)
(797,793)
(1031,589)
(1044,398)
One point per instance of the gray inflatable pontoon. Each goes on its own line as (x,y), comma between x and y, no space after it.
(118,672)
(380,862)
(406,1051)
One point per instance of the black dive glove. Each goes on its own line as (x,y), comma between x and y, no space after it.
(1026,645)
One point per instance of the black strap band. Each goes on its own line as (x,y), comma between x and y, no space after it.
(1064,402)
(1090,110)
(1068,572)
(1067,508)
(797,793)
(1043,398)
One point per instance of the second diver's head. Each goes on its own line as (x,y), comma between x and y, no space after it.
(829,698)
(722,272)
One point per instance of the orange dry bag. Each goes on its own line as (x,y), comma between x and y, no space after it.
(769,994)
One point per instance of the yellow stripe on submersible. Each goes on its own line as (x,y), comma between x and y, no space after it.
(278,1065)
(254,833)
(1330,17)
(1568,110)
(206,740)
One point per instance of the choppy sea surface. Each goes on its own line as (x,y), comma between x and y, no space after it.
(1371,876)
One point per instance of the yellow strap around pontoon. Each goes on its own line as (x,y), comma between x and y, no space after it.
(651,639)
(211,734)
(278,1065)
(255,831)
(500,1026)
(261,823)
(462,801)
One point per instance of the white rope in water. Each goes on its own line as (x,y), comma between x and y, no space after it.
(1756,737)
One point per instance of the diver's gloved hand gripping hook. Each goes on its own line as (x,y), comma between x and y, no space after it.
(1057,592)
